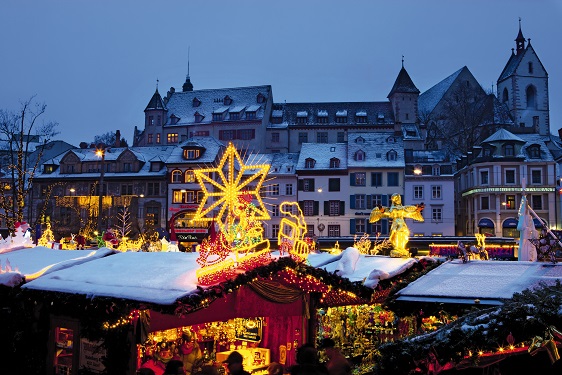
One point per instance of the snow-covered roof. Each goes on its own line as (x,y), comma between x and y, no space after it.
(322,153)
(429,99)
(377,113)
(503,135)
(31,262)
(181,104)
(376,146)
(367,268)
(487,281)
(212,149)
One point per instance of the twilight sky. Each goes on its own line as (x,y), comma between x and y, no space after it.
(95,63)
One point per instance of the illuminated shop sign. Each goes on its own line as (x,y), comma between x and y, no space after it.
(509,190)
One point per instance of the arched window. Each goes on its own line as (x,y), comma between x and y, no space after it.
(509,150)
(177,176)
(392,155)
(189,176)
(309,163)
(505,97)
(334,163)
(531,93)
(360,155)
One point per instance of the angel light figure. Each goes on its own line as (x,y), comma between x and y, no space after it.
(399,232)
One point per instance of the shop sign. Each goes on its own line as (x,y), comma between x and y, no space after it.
(189,236)
(250,330)
(91,354)
(177,208)
(191,230)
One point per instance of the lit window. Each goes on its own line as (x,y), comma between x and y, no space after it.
(172,137)
(360,179)
(189,176)
(176,176)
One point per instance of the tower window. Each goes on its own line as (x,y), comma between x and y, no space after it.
(530,67)
(505,96)
(531,94)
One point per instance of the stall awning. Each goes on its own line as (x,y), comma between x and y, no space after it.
(486,223)
(538,223)
(510,223)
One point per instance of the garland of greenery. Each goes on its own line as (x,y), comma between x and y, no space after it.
(526,315)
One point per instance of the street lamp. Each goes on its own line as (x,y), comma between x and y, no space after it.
(100,152)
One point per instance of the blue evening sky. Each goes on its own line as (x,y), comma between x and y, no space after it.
(95,63)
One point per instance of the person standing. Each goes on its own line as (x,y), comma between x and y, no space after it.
(234,364)
(337,363)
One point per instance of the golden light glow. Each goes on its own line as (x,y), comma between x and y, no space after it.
(294,242)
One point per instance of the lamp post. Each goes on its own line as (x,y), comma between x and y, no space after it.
(100,152)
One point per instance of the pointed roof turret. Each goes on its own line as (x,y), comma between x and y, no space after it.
(520,40)
(187,86)
(155,102)
(403,84)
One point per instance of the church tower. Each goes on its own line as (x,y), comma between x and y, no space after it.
(523,87)
(404,98)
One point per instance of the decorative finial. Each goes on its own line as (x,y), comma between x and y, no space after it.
(402,61)
(188,48)
(519,22)
(157,80)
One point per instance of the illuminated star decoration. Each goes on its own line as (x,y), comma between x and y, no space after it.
(230,187)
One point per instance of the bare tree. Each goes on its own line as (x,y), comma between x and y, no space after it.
(17,131)
(462,119)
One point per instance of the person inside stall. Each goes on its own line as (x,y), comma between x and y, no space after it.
(234,364)
(275,368)
(337,363)
(308,362)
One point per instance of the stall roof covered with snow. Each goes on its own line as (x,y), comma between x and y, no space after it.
(483,282)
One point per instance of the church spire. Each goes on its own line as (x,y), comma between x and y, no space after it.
(520,40)
(187,86)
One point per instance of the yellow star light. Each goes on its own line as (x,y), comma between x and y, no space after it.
(227,189)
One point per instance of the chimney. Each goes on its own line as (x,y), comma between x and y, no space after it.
(118,138)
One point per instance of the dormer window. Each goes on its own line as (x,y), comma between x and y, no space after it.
(534,152)
(196,102)
(250,115)
(301,117)
(508,150)
(191,154)
(380,118)
(391,155)
(530,67)
(359,140)
(334,163)
(174,119)
(391,140)
(48,169)
(341,117)
(322,117)
(361,117)
(199,117)
(227,100)
(359,155)
(309,163)
(487,151)
(260,98)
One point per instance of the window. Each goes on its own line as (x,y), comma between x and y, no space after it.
(334,163)
(530,65)
(260,98)
(376,200)
(310,229)
(196,102)
(359,178)
(153,188)
(227,135)
(235,116)
(303,137)
(484,203)
(322,137)
(149,138)
(360,155)
(510,202)
(334,208)
(152,215)
(334,231)
(334,184)
(66,215)
(246,134)
(531,93)
(274,210)
(275,189)
(322,119)
(510,176)
(536,177)
(360,201)
(178,196)
(436,192)
(534,152)
(505,97)
(436,170)
(418,192)
(393,179)
(301,120)
(127,167)
(376,179)
(508,150)
(274,230)
(341,137)
(158,138)
(227,100)
(307,184)
(437,215)
(190,176)
(308,208)
(217,116)
(250,115)
(361,119)
(484,178)
(275,137)
(70,169)
(127,189)
(289,189)
(360,225)
(536,202)
(150,120)
(309,163)
(392,155)
(177,176)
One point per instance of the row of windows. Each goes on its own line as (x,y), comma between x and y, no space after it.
(356,179)
(436,192)
(273,190)
(227,100)
(510,178)
(233,134)
(324,119)
(321,137)
(509,202)
(233,116)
